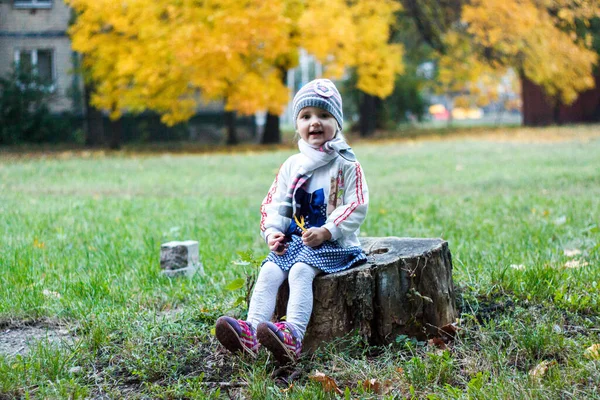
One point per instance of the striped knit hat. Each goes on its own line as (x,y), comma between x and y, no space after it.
(320,93)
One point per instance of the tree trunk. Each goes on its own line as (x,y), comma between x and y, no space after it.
(94,124)
(272,133)
(368,115)
(404,288)
(272,130)
(556,112)
(116,131)
(231,128)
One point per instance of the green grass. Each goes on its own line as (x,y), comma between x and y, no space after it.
(79,249)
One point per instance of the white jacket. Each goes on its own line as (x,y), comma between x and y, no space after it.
(345,189)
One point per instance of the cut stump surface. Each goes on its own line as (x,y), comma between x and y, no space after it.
(404,288)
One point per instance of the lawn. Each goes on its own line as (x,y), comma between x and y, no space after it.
(79,261)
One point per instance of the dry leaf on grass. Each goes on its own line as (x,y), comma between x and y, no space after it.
(571,252)
(327,382)
(50,293)
(540,370)
(560,220)
(450,330)
(287,389)
(575,264)
(592,352)
(437,342)
(376,386)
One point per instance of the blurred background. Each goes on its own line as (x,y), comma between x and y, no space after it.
(110,73)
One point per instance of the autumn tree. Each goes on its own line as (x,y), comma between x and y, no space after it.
(538,38)
(358,38)
(170,57)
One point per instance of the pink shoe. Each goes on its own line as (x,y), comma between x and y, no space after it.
(237,335)
(281,339)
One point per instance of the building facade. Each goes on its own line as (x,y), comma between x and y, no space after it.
(33,34)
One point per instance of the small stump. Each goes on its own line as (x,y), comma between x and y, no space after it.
(404,288)
(180,258)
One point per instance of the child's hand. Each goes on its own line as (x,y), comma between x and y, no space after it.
(275,242)
(313,237)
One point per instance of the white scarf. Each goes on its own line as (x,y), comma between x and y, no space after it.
(313,158)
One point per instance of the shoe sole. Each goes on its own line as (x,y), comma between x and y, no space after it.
(230,339)
(269,339)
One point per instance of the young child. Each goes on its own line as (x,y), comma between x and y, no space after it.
(310,220)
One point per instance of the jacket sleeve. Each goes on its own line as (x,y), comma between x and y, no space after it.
(270,219)
(347,218)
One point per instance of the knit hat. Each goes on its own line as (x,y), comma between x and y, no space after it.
(320,93)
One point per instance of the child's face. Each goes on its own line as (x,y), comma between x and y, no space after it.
(316,126)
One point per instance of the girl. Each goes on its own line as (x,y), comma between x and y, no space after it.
(310,220)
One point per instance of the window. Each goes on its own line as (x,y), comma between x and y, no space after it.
(39,61)
(33,3)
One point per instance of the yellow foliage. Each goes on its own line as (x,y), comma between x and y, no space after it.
(171,56)
(537,37)
(462,102)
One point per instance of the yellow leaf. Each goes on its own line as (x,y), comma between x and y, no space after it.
(540,370)
(592,352)
(287,389)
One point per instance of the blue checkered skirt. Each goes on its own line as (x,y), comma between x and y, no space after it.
(329,257)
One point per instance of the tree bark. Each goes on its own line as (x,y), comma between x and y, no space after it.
(116,132)
(94,123)
(368,114)
(232,138)
(272,132)
(404,288)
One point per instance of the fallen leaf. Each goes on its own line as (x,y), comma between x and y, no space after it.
(400,370)
(287,389)
(50,293)
(327,382)
(450,329)
(560,220)
(376,386)
(572,252)
(517,266)
(575,264)
(437,342)
(592,352)
(540,370)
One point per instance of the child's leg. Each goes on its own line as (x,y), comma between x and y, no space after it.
(262,302)
(300,303)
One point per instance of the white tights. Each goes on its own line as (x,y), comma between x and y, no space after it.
(299,307)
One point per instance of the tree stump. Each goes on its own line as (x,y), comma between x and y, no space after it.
(404,288)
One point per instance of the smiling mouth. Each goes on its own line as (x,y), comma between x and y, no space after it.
(315,133)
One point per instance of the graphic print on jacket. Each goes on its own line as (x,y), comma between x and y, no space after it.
(310,208)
